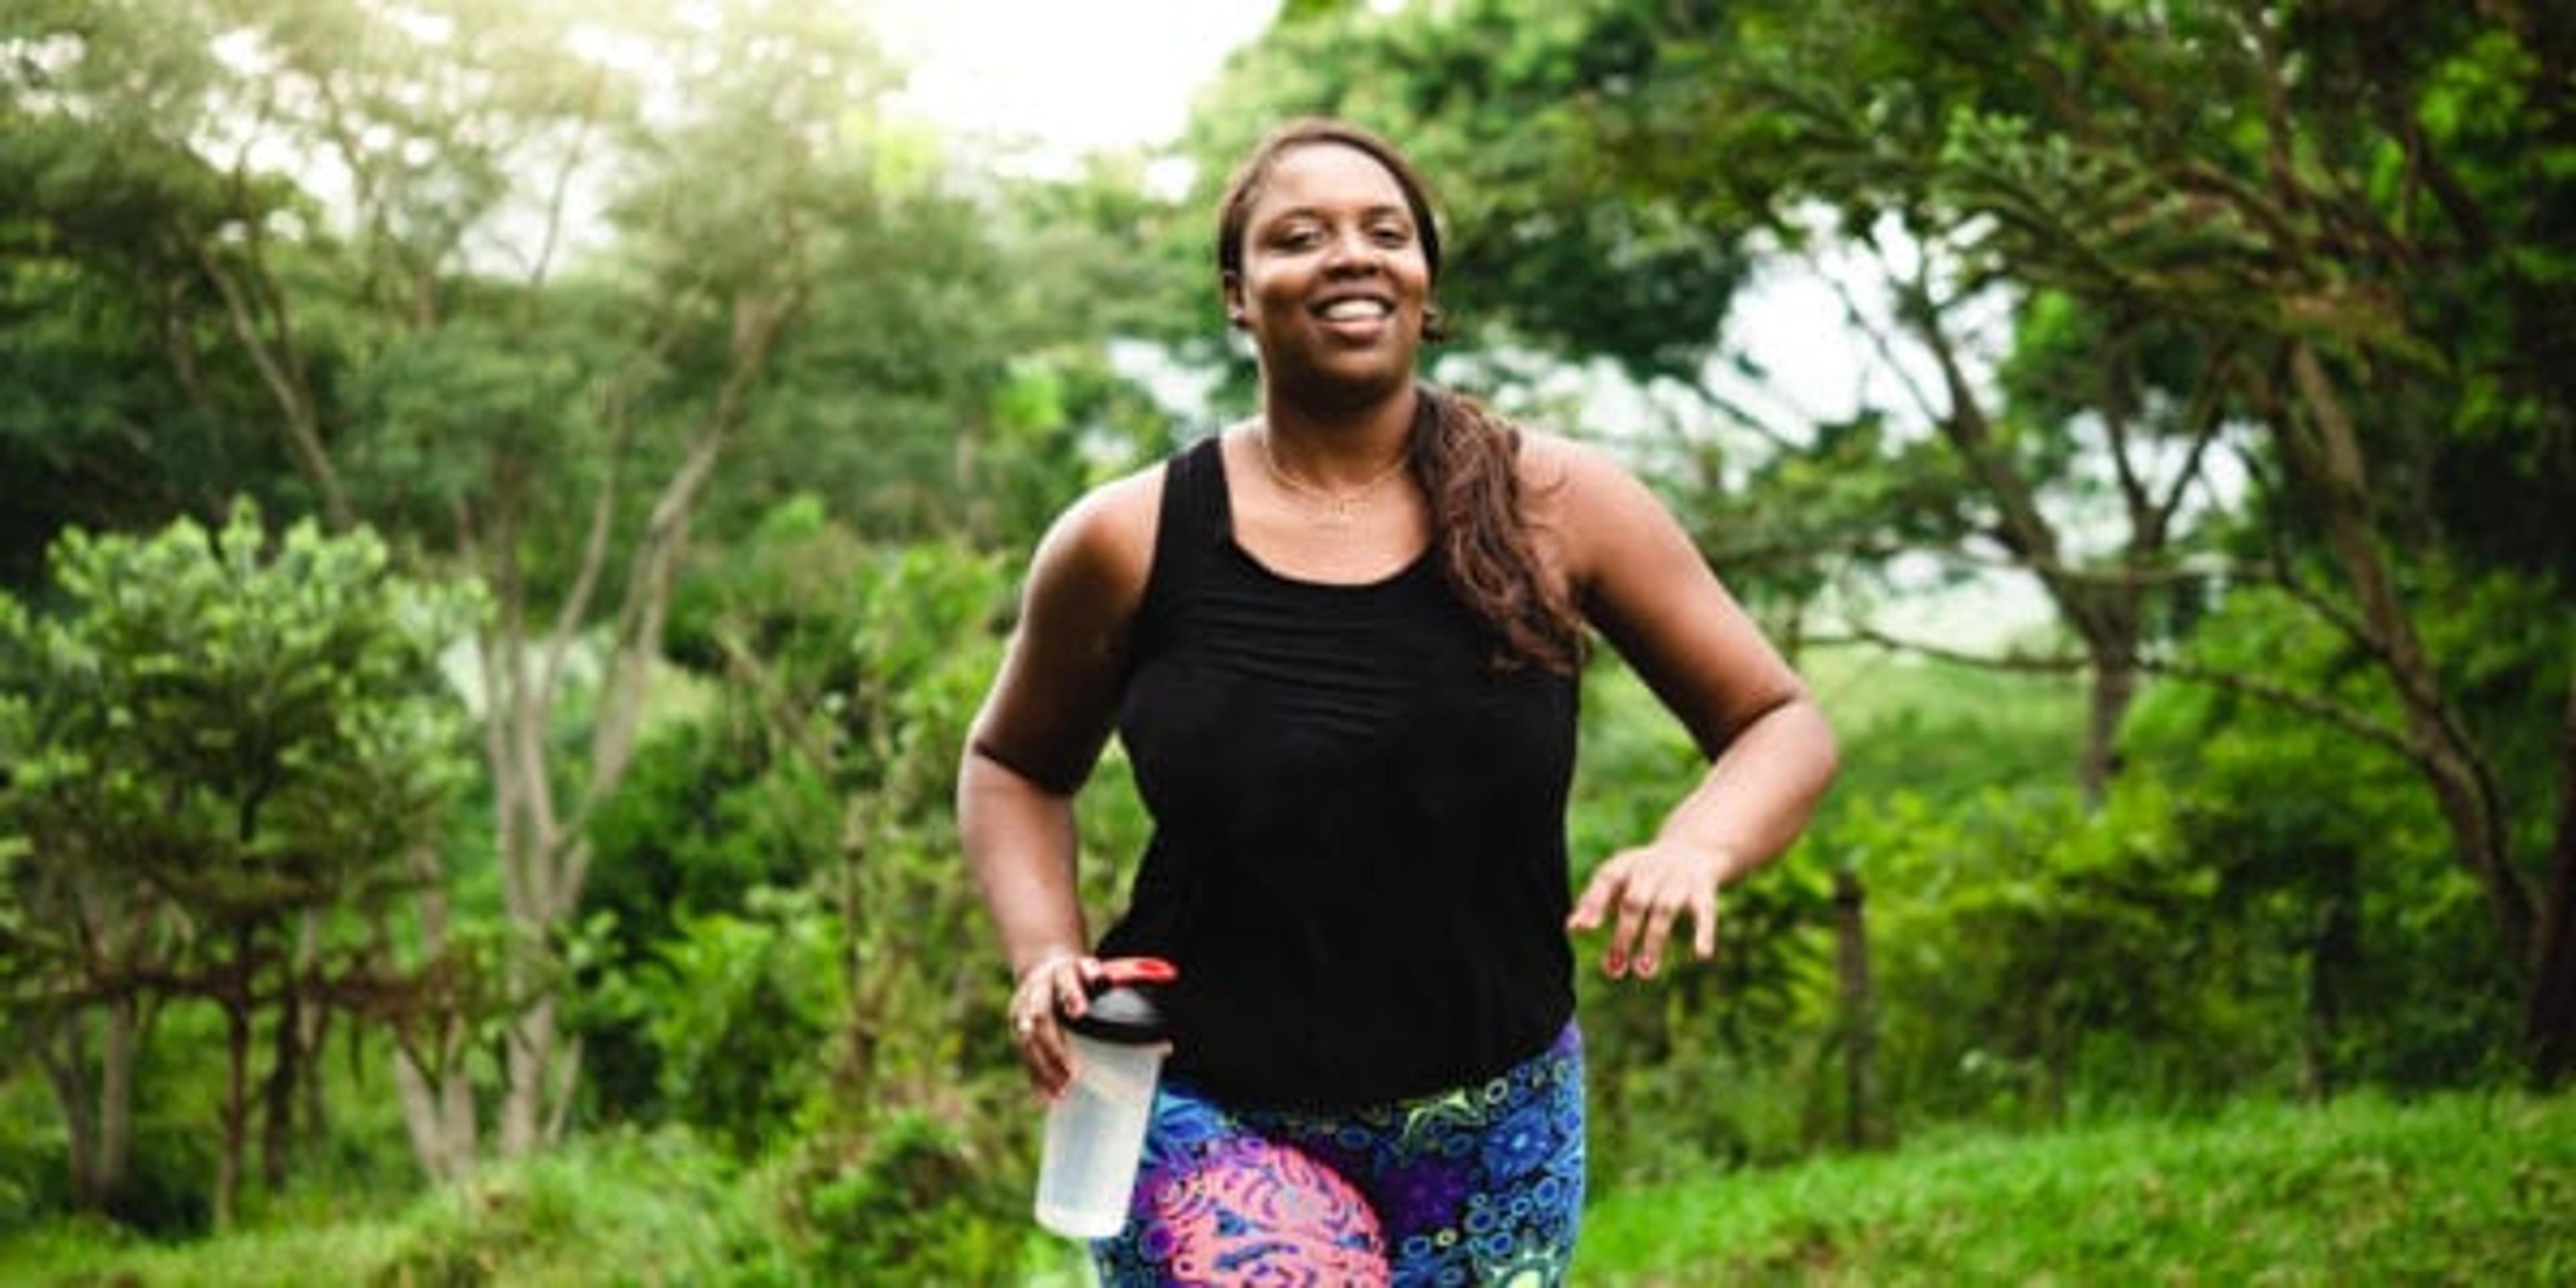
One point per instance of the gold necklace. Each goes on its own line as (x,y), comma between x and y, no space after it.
(1338,505)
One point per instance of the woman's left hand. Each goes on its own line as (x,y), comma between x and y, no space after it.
(1649,887)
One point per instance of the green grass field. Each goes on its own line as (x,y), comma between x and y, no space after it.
(2467,1189)
(2475,1188)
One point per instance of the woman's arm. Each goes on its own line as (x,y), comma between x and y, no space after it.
(1641,582)
(1034,742)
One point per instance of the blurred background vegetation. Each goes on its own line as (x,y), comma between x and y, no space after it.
(509,508)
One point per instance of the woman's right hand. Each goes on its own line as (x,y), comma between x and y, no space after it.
(1058,984)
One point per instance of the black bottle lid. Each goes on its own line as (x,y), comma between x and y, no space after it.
(1125,1004)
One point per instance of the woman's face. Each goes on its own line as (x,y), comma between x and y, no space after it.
(1334,280)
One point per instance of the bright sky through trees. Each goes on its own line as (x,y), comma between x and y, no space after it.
(1064,77)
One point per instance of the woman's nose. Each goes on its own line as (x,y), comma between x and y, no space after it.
(1351,250)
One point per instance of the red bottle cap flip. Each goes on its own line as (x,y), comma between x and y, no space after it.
(1125,1002)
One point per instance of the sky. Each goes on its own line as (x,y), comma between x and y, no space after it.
(1069,76)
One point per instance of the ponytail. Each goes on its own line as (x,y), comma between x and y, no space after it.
(1466,459)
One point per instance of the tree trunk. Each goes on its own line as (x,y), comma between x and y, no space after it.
(64,1053)
(2115,687)
(429,1077)
(545,853)
(277,1093)
(438,1109)
(2332,952)
(2550,1020)
(531,1054)
(116,1099)
(237,1038)
(313,1111)
(1860,1012)
(2330,455)
(2105,616)
(312,1125)
(263,326)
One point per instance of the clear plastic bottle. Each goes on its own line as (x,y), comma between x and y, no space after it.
(1095,1132)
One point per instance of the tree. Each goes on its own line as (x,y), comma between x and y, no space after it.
(2324,239)
(655,369)
(2313,221)
(120,402)
(521,286)
(222,753)
(2308,205)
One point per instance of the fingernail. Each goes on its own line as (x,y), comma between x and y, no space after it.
(1616,964)
(1646,967)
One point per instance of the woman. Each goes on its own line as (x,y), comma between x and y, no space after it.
(1339,641)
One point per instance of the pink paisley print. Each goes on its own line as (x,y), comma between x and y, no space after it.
(1268,1215)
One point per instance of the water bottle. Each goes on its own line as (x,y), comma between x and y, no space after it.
(1095,1131)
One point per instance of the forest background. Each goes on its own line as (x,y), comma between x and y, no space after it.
(508,510)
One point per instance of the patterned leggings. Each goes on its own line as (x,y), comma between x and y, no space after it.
(1482,1185)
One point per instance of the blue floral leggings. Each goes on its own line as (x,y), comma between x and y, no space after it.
(1480,1185)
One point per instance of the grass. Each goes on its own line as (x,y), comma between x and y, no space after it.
(2472,1188)
(617,1211)
(2466,1189)
(83,1256)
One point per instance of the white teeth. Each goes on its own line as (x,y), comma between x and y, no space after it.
(1351,310)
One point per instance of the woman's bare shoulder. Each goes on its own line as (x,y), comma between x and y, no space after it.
(1575,485)
(1104,541)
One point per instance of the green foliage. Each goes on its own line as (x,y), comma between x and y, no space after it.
(736,1009)
(1819,517)
(243,729)
(2331,856)
(782,873)
(246,731)
(2459,1189)
(626,1209)
(917,1206)
(117,411)
(243,732)
(223,750)
(2036,959)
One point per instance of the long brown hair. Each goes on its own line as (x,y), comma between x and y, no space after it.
(1462,454)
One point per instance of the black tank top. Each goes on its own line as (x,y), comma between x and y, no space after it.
(1358,859)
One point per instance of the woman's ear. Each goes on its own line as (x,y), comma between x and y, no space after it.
(1232,286)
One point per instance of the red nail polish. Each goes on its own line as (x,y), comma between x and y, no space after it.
(1616,963)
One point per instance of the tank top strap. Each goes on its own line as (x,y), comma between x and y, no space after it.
(1194,500)
(1192,525)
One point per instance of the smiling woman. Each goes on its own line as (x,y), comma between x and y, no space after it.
(1340,643)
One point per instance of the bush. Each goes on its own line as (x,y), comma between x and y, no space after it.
(624,1209)
(914,1207)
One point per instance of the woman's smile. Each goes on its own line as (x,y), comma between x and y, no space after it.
(1360,318)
